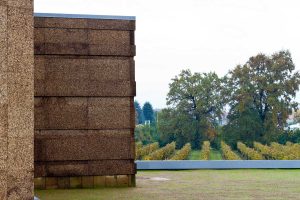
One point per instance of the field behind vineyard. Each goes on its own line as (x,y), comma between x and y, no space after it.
(273,151)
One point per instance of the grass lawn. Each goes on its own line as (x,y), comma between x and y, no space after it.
(195,184)
(194,155)
(215,155)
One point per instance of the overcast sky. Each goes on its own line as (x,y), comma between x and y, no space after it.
(202,35)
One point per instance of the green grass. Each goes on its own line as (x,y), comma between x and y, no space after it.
(215,155)
(194,155)
(195,184)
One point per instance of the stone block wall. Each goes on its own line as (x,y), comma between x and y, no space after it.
(84,87)
(16,99)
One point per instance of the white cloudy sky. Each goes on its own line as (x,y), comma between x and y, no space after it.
(203,35)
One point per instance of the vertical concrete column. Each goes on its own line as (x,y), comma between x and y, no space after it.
(3,99)
(16,99)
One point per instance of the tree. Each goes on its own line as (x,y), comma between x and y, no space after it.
(260,96)
(139,113)
(289,136)
(148,112)
(244,125)
(175,126)
(143,133)
(195,109)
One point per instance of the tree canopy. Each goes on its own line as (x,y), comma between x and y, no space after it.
(256,99)
(260,95)
(195,107)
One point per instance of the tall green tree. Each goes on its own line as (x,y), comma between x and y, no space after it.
(244,125)
(148,112)
(260,94)
(139,113)
(174,125)
(195,107)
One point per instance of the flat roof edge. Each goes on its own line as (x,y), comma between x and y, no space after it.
(82,16)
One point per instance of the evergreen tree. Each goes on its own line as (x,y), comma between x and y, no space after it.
(139,113)
(148,112)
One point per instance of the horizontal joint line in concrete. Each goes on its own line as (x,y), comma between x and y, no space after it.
(82,16)
(83,56)
(83,96)
(217,164)
(80,161)
(62,162)
(93,29)
(103,55)
(106,129)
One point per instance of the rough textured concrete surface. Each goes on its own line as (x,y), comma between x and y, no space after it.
(84,89)
(84,76)
(84,168)
(84,182)
(97,145)
(16,99)
(83,113)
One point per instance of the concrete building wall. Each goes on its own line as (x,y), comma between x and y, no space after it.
(16,99)
(84,89)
